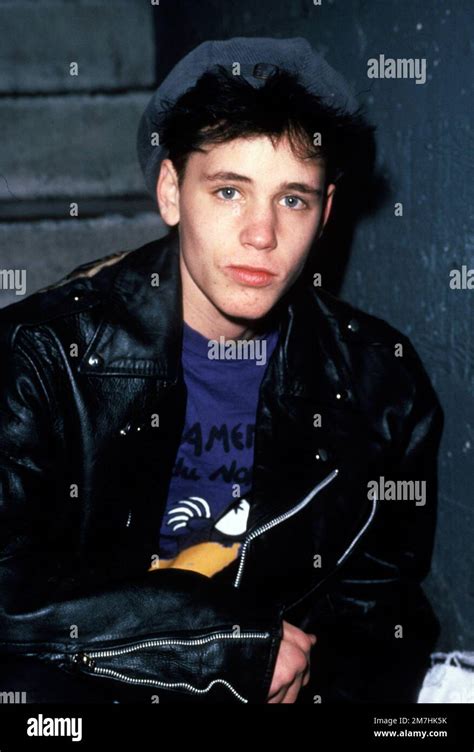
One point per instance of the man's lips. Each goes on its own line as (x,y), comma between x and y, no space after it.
(254,276)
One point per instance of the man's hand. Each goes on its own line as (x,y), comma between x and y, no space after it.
(292,665)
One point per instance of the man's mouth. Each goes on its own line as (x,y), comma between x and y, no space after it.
(251,275)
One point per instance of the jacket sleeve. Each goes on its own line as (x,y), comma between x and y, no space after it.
(174,631)
(375,626)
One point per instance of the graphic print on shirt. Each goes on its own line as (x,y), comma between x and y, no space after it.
(206,515)
(224,536)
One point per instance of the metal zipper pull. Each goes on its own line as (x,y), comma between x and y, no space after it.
(82,659)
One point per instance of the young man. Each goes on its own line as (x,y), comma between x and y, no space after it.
(196,440)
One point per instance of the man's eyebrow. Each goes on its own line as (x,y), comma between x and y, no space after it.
(294,186)
(228,176)
(302,188)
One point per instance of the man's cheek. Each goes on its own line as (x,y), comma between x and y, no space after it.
(236,209)
(225,211)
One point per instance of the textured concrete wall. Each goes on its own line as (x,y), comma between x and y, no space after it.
(398,267)
(112,42)
(74,80)
(72,146)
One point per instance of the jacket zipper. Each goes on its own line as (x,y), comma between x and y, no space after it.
(359,534)
(295,510)
(88,660)
(277,520)
(344,555)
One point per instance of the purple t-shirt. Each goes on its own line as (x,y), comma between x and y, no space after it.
(206,510)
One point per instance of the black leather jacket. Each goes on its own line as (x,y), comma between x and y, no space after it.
(84,471)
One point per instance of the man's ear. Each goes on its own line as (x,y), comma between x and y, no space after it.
(328,204)
(167,193)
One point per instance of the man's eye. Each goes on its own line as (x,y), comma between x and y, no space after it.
(228,193)
(294,202)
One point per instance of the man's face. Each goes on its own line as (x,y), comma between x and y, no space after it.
(243,205)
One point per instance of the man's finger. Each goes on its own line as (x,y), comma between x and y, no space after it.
(293,691)
(278,696)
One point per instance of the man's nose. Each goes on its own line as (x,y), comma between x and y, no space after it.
(260,230)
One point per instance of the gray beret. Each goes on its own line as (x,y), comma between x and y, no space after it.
(257,57)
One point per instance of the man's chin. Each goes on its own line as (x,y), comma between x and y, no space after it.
(254,317)
(241,313)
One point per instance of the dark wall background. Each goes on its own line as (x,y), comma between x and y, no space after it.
(72,139)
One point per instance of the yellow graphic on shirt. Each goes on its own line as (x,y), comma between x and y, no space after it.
(210,557)
(207,558)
